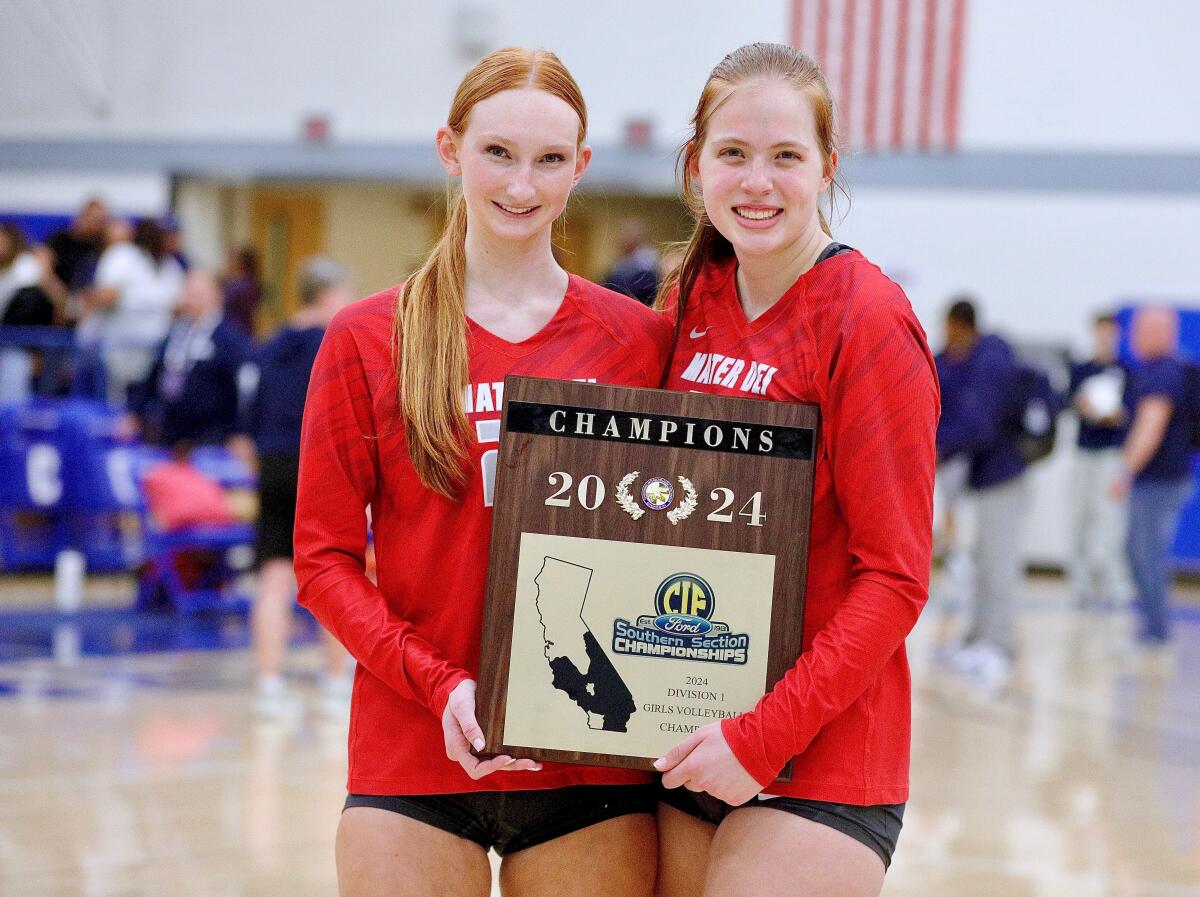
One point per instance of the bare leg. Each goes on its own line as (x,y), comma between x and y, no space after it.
(614,858)
(683,845)
(385,854)
(771,853)
(271,615)
(335,683)
(336,657)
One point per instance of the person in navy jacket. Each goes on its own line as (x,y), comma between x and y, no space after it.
(191,394)
(978,375)
(273,417)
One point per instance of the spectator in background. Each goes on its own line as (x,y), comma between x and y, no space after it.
(1156,466)
(242,287)
(672,258)
(174,240)
(77,248)
(274,417)
(954,522)
(191,393)
(30,295)
(636,272)
(116,232)
(978,375)
(1097,389)
(19,267)
(180,496)
(24,268)
(136,288)
(19,271)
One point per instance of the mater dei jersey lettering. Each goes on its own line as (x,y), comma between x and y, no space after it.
(723,370)
(481,398)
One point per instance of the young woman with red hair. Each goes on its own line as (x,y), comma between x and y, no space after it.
(403,417)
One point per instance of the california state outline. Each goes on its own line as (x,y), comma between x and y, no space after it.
(578,664)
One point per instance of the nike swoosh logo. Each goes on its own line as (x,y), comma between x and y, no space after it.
(696,334)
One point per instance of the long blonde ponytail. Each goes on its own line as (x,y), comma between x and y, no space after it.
(431,349)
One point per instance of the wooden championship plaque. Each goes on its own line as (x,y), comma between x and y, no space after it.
(647,569)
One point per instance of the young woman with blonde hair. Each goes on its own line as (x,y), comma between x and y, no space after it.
(763,283)
(403,416)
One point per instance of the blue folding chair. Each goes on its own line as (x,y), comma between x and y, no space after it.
(197,567)
(103,501)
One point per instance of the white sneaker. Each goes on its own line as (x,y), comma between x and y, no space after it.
(963,660)
(273,700)
(984,666)
(944,654)
(993,672)
(333,695)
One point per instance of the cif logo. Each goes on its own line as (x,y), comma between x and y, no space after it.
(684,603)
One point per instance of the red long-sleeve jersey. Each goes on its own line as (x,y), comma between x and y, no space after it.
(416,635)
(845,337)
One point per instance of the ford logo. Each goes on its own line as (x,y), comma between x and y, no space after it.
(682,624)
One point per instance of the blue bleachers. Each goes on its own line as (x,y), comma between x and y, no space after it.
(32,526)
(103,501)
(69,478)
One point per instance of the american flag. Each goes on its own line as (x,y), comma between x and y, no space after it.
(894,66)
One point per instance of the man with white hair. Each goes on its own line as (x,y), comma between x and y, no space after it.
(191,394)
(1156,473)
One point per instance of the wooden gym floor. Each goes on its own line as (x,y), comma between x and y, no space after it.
(145,773)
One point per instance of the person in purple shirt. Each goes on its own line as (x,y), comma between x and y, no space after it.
(1097,388)
(191,393)
(978,375)
(1156,467)
(637,272)
(242,287)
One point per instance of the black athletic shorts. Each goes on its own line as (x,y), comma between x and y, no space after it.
(878,826)
(277,475)
(515,820)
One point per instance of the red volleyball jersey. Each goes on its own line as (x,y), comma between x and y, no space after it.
(844,337)
(416,635)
